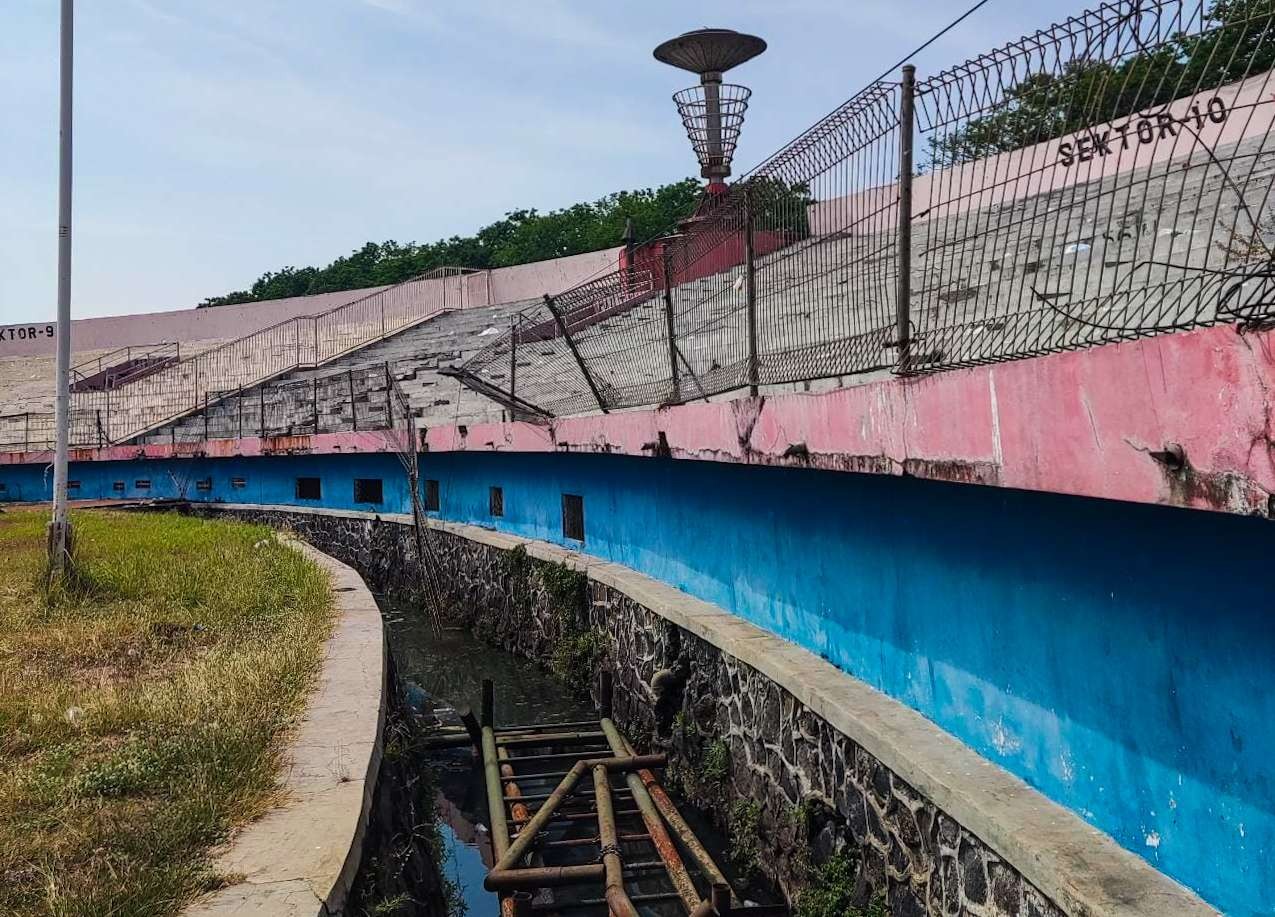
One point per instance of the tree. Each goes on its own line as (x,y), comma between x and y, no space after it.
(522,236)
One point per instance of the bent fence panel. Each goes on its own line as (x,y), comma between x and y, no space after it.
(1103,179)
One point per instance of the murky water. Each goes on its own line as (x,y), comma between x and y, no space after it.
(442,672)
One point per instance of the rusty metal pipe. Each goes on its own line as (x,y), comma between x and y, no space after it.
(512,854)
(531,878)
(616,897)
(495,795)
(571,756)
(664,844)
(532,727)
(549,738)
(673,818)
(519,810)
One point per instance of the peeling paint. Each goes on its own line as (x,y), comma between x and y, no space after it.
(955,470)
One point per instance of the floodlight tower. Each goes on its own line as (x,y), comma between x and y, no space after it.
(713,111)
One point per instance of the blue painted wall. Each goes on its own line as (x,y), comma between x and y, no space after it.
(1118,657)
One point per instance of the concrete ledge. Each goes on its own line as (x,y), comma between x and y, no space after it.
(1081,869)
(301,858)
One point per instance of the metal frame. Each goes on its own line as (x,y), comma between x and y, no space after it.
(542,838)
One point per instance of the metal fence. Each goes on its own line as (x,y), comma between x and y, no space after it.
(1103,179)
(351,400)
(214,382)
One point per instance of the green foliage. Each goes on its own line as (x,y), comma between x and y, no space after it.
(745,842)
(579,648)
(1086,92)
(576,656)
(831,893)
(567,589)
(778,206)
(716,765)
(521,237)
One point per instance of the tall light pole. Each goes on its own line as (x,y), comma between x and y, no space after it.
(60,527)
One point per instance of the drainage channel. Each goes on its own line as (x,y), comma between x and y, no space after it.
(613,840)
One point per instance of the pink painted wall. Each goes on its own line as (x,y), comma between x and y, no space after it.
(529,281)
(1084,423)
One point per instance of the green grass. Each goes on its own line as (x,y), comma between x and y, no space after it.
(144,705)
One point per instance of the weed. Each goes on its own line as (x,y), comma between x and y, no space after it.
(831,892)
(576,657)
(144,703)
(716,765)
(566,589)
(396,904)
(683,725)
(745,844)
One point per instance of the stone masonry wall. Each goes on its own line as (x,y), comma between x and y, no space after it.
(740,746)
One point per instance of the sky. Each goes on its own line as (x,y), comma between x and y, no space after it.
(219,139)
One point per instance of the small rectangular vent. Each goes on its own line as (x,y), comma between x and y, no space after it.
(204,484)
(72,485)
(142,484)
(238,483)
(368,490)
(496,501)
(309,489)
(118,487)
(431,496)
(573,517)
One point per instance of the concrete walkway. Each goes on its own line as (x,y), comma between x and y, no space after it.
(301,858)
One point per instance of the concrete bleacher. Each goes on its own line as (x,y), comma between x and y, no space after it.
(1147,247)
(351,392)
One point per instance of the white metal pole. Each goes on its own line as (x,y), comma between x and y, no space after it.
(59,542)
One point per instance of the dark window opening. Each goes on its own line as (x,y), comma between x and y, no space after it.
(238,483)
(142,484)
(204,484)
(3,487)
(496,501)
(573,516)
(368,490)
(309,489)
(431,496)
(118,487)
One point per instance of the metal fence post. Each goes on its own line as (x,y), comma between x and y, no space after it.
(205,417)
(903,294)
(750,291)
(314,400)
(666,257)
(262,390)
(354,411)
(26,432)
(513,362)
(389,397)
(562,326)
(241,412)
